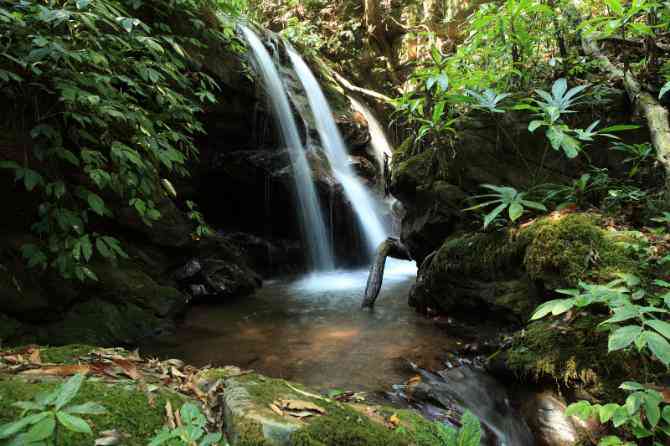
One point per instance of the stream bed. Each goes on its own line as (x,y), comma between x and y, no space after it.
(312,330)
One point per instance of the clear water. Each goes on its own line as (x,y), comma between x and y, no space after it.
(313,228)
(366,209)
(312,330)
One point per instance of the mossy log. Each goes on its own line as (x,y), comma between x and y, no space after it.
(645,104)
(391,247)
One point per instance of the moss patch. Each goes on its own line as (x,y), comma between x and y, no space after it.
(129,410)
(575,355)
(342,425)
(574,247)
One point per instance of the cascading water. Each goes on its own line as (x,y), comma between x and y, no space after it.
(313,228)
(361,201)
(378,140)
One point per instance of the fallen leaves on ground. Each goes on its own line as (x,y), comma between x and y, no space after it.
(296,408)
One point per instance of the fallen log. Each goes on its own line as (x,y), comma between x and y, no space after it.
(645,104)
(391,247)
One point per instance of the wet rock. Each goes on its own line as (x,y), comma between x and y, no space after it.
(363,167)
(190,269)
(545,414)
(269,256)
(466,387)
(224,279)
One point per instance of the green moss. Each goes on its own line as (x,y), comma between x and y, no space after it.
(67,354)
(250,433)
(574,247)
(342,424)
(575,355)
(129,410)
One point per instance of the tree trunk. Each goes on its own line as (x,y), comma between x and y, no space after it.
(391,247)
(645,104)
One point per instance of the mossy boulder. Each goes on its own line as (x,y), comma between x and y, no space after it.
(513,271)
(574,355)
(250,421)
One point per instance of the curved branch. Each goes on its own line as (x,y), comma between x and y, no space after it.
(391,247)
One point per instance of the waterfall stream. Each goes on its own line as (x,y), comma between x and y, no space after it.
(361,200)
(312,224)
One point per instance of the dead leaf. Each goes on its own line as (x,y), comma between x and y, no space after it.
(176,373)
(394,421)
(35,357)
(299,405)
(61,370)
(169,413)
(128,368)
(110,438)
(301,415)
(276,409)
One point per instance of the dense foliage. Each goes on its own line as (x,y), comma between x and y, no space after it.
(109,95)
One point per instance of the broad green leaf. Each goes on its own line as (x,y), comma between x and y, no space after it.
(68,390)
(42,430)
(10,429)
(580,409)
(89,408)
(515,211)
(28,405)
(606,412)
(660,326)
(659,346)
(470,432)
(555,307)
(652,410)
(623,337)
(633,403)
(493,214)
(534,125)
(73,423)
(610,441)
(211,439)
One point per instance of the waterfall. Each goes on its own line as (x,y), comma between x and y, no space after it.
(378,140)
(361,201)
(313,228)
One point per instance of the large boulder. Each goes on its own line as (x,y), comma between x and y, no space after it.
(510,272)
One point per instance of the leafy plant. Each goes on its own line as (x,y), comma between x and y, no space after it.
(623,19)
(488,100)
(202,229)
(108,103)
(192,431)
(575,193)
(642,311)
(505,198)
(41,417)
(644,414)
(636,154)
(468,435)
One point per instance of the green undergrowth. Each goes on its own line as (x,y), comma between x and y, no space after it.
(575,355)
(129,409)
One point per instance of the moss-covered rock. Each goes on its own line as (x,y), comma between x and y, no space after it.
(251,422)
(516,269)
(574,355)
